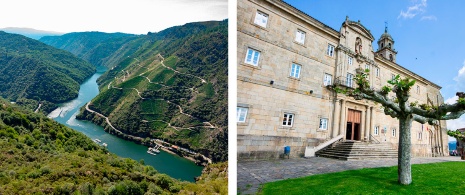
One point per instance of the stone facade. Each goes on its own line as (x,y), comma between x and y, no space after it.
(282,96)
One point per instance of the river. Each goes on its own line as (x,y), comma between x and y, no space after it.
(172,165)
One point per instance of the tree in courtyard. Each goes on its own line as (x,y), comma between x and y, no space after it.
(406,112)
(459,136)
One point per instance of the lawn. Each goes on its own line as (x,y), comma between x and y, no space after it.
(434,178)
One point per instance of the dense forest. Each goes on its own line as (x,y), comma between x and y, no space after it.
(170,85)
(97,48)
(41,156)
(31,71)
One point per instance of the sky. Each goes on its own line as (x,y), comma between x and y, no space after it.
(128,16)
(429,35)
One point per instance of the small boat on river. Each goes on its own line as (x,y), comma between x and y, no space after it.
(150,152)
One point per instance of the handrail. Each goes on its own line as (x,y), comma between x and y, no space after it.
(310,151)
(376,140)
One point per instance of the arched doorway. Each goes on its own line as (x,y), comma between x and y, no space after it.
(354,118)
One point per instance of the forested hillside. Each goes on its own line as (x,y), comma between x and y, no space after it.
(41,156)
(31,71)
(170,85)
(97,48)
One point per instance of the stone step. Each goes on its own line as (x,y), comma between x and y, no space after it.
(358,151)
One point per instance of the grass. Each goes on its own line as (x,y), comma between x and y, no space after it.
(435,178)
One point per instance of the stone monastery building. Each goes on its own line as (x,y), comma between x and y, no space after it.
(288,60)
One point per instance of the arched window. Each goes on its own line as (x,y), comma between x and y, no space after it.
(382,45)
(390,57)
(389,45)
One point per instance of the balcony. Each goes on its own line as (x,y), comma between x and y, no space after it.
(345,81)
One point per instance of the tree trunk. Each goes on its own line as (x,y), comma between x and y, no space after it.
(404,167)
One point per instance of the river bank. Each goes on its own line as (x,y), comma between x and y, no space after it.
(172,165)
(101,120)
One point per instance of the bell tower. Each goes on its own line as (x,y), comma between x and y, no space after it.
(386,46)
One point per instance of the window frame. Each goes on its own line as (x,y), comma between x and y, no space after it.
(330,50)
(238,114)
(301,33)
(262,14)
(286,118)
(350,61)
(251,59)
(377,72)
(349,80)
(376,130)
(321,126)
(292,73)
(394,132)
(325,80)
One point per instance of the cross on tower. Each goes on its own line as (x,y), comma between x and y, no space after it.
(385,26)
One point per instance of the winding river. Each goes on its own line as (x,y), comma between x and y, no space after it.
(172,165)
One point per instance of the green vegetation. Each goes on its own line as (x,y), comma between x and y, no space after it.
(35,71)
(41,156)
(198,51)
(435,178)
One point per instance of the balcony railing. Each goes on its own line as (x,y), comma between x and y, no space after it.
(345,81)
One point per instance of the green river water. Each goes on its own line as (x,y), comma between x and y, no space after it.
(172,165)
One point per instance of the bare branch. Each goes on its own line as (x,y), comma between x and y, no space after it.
(440,112)
(453,115)
(422,119)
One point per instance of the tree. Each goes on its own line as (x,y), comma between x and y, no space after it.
(399,107)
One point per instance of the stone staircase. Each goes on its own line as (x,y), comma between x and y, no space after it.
(358,151)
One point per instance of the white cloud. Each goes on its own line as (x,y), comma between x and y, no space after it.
(412,11)
(429,18)
(460,79)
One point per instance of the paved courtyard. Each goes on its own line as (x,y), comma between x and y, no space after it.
(251,174)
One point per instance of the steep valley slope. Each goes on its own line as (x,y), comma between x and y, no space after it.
(33,72)
(170,85)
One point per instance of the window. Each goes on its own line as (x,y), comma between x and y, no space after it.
(330,50)
(420,135)
(418,89)
(328,79)
(241,114)
(367,66)
(252,57)
(376,131)
(300,36)
(350,60)
(349,80)
(295,70)
(323,123)
(393,132)
(261,19)
(377,72)
(390,57)
(393,76)
(288,119)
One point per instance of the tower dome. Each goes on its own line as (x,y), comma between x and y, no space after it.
(386,46)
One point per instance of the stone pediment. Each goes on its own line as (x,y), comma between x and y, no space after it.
(358,27)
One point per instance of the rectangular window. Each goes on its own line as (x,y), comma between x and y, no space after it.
(376,131)
(295,70)
(261,19)
(328,79)
(241,114)
(288,119)
(330,50)
(393,132)
(349,80)
(420,135)
(393,76)
(418,89)
(323,123)
(300,36)
(350,60)
(252,57)
(377,72)
(367,67)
